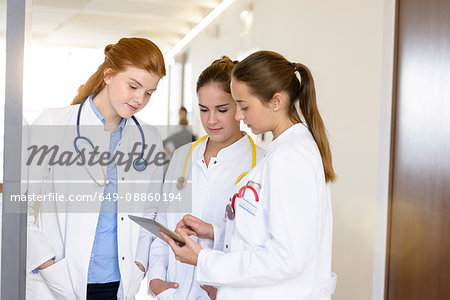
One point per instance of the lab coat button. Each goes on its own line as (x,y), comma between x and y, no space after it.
(226,246)
(123,257)
(121,219)
(215,162)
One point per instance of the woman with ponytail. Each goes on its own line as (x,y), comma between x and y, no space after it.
(93,250)
(279,222)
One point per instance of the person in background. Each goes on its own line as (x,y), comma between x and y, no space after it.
(182,116)
(181,137)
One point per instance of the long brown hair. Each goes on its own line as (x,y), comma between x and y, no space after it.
(139,52)
(266,73)
(218,72)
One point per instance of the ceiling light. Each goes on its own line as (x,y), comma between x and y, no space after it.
(198,28)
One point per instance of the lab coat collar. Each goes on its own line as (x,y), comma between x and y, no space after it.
(225,153)
(88,116)
(230,151)
(298,128)
(99,114)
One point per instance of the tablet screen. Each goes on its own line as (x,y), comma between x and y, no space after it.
(154,227)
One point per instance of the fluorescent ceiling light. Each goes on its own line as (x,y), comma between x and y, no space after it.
(198,28)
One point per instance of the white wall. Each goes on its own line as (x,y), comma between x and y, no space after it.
(348,45)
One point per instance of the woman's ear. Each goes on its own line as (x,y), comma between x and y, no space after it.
(278,101)
(107,74)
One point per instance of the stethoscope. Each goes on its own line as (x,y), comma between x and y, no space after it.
(230,210)
(139,164)
(181,182)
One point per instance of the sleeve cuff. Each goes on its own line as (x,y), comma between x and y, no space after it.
(202,274)
(206,243)
(219,237)
(157,272)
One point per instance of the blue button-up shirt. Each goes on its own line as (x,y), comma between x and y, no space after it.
(104,262)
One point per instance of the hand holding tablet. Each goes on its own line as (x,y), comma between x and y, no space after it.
(155,227)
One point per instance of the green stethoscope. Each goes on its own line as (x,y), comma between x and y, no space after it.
(181,182)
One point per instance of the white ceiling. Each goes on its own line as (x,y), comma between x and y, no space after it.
(96,23)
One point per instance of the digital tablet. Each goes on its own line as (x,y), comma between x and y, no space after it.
(154,227)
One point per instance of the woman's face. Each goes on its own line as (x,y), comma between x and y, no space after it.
(255,114)
(217,110)
(130,90)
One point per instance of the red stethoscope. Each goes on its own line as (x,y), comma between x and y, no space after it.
(230,210)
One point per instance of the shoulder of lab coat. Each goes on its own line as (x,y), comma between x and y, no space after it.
(59,115)
(293,175)
(179,155)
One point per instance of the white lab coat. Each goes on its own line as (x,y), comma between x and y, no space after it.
(68,235)
(211,189)
(282,249)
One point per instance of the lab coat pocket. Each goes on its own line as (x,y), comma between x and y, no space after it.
(166,295)
(58,280)
(139,270)
(36,287)
(136,278)
(250,222)
(246,217)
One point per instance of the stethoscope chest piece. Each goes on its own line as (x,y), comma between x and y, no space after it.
(229,211)
(139,164)
(181,183)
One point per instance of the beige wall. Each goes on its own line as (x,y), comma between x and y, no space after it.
(348,45)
